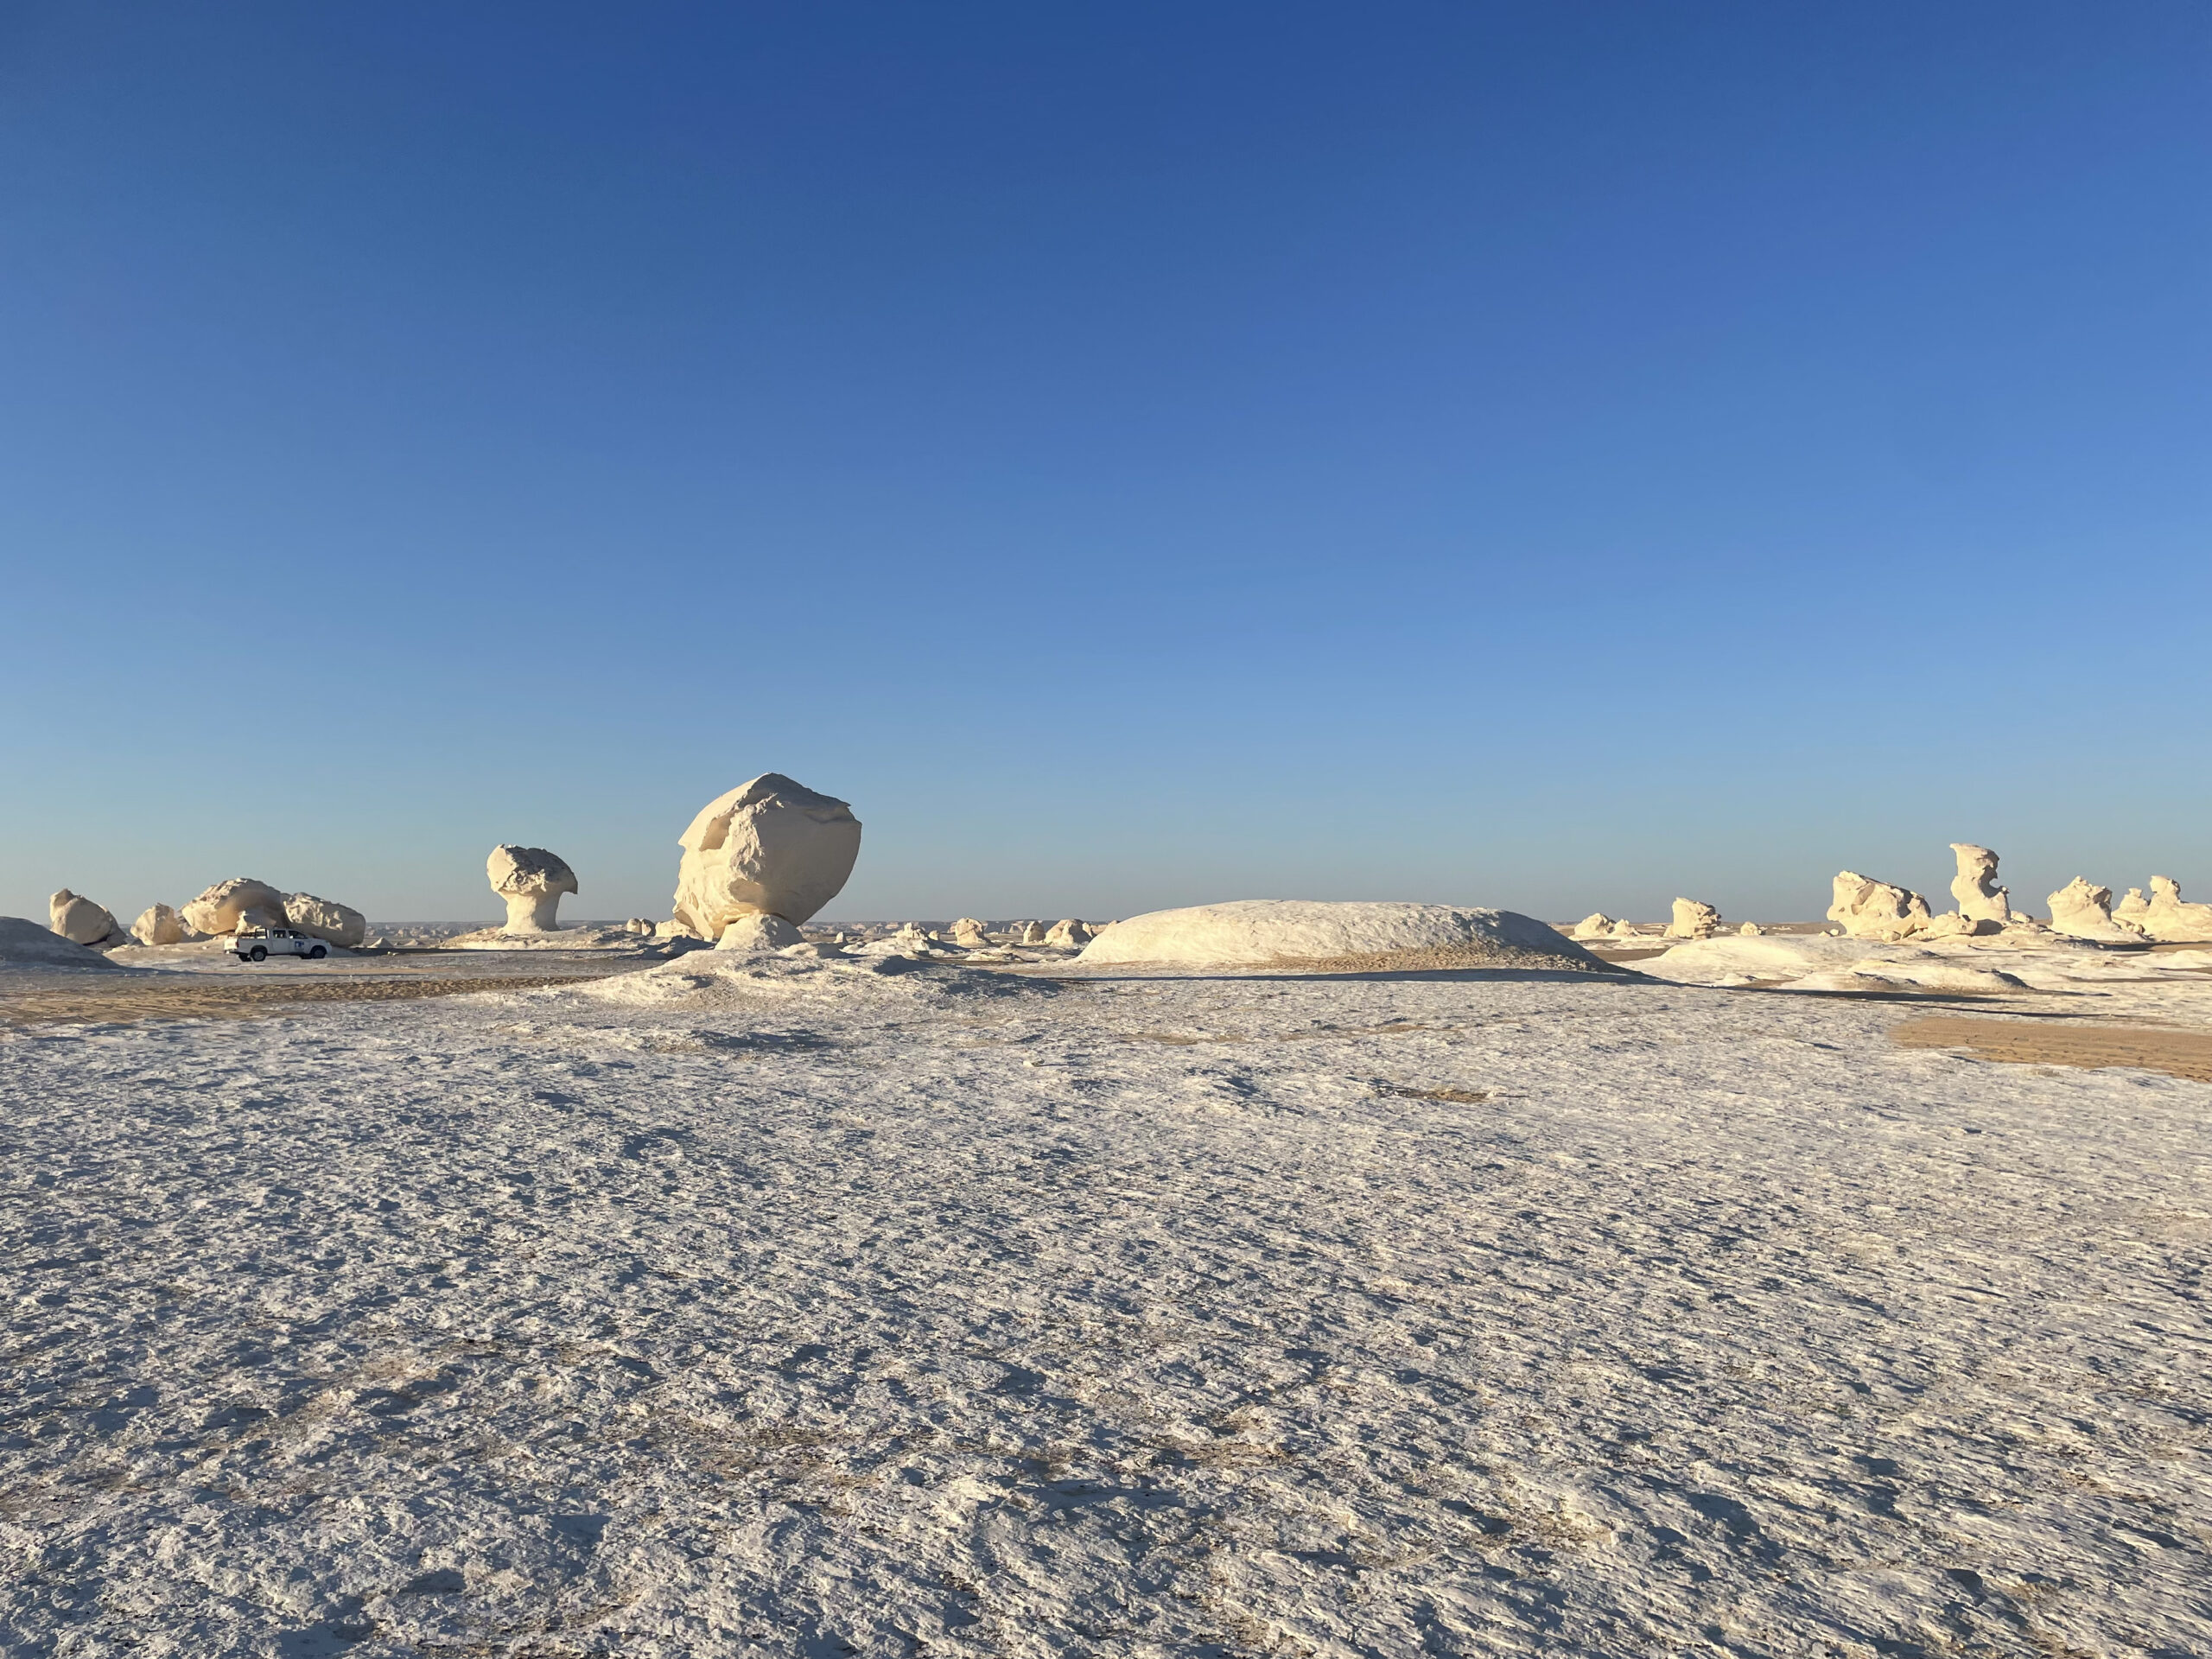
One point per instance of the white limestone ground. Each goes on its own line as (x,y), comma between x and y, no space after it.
(804,1307)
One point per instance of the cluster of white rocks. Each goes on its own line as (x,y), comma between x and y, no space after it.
(1867,909)
(217,913)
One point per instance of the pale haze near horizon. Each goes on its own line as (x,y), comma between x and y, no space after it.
(1554,460)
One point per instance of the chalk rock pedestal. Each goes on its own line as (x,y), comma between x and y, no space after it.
(80,921)
(769,848)
(1974,887)
(532,880)
(1875,910)
(758,935)
(1694,920)
(239,902)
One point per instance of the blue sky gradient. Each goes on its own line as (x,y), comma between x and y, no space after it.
(1554,456)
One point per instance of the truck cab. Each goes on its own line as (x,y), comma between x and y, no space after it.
(259,943)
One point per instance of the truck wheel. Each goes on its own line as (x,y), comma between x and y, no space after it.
(261,953)
(317,954)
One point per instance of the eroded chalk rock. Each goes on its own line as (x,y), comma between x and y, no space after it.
(80,921)
(1035,933)
(1070,934)
(1952,925)
(532,880)
(325,919)
(969,932)
(2084,911)
(239,902)
(1751,931)
(1693,920)
(1875,910)
(2130,911)
(1596,925)
(769,848)
(159,924)
(1974,887)
(2168,919)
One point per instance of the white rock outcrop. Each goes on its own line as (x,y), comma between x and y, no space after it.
(2130,911)
(325,919)
(1624,930)
(969,932)
(1975,888)
(1751,931)
(1694,920)
(769,848)
(1596,925)
(82,922)
(1952,925)
(159,924)
(2169,919)
(532,880)
(1291,934)
(239,902)
(2084,911)
(1034,933)
(1068,934)
(1875,910)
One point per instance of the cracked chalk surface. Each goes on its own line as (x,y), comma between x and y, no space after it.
(712,1311)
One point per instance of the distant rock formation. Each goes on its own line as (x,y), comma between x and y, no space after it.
(2130,911)
(1751,931)
(2084,911)
(82,922)
(326,920)
(768,847)
(1034,934)
(1596,925)
(758,935)
(1974,887)
(1068,934)
(158,924)
(532,880)
(2168,919)
(239,902)
(1875,910)
(969,932)
(1693,920)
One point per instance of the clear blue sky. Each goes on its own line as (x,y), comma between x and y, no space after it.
(1554,455)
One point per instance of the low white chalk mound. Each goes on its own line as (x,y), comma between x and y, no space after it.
(1297,933)
(26,944)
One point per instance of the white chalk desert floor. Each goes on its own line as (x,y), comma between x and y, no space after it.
(825,1308)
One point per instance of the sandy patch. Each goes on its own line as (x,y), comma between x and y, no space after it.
(2023,1042)
(87,999)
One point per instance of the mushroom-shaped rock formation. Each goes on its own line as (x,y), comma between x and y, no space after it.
(2169,920)
(1340,937)
(1693,920)
(769,848)
(1874,910)
(1596,925)
(969,932)
(80,921)
(1069,933)
(325,919)
(532,880)
(239,902)
(158,924)
(1974,887)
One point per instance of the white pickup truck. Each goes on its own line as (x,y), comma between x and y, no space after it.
(259,943)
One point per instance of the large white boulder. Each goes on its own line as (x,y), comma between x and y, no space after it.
(1974,887)
(1068,933)
(325,919)
(532,880)
(158,924)
(1875,910)
(1289,932)
(769,848)
(24,943)
(80,921)
(1694,920)
(968,931)
(758,935)
(239,902)
(1596,925)
(2168,919)
(2084,911)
